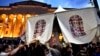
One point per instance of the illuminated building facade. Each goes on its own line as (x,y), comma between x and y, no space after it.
(13,17)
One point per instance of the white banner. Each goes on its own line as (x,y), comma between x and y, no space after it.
(39,27)
(78,26)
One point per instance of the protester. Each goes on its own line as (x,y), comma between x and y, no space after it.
(82,51)
(92,49)
(67,51)
(35,48)
(6,51)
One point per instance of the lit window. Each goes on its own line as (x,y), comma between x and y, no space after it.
(28,15)
(3,16)
(11,17)
(19,16)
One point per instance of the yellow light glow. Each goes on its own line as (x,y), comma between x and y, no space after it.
(19,16)
(6,19)
(11,17)
(3,16)
(1,35)
(16,24)
(28,15)
(22,19)
(60,37)
(14,19)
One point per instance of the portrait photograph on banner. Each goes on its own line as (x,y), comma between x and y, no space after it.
(78,26)
(39,27)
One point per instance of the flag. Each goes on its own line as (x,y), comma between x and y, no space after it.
(98,28)
(39,27)
(78,26)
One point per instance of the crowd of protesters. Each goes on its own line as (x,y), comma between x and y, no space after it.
(17,48)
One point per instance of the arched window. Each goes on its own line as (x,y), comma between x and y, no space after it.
(76,26)
(27,16)
(19,18)
(11,17)
(3,18)
(39,28)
